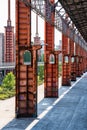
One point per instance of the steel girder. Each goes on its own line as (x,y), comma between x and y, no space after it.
(77,11)
(45,11)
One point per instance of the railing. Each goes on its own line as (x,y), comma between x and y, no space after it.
(7,65)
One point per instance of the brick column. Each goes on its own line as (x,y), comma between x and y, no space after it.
(85,60)
(51,69)
(66,64)
(78,61)
(73,60)
(26,74)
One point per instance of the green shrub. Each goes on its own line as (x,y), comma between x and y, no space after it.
(40,74)
(7,89)
(9,81)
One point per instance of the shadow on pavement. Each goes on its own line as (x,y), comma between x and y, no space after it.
(51,113)
(23,123)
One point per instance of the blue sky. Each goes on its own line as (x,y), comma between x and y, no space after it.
(4,17)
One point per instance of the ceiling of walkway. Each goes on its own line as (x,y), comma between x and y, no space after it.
(77,11)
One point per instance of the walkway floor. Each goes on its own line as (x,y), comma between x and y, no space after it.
(68,112)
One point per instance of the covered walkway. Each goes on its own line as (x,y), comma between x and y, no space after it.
(68,112)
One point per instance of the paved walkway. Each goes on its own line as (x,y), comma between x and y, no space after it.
(68,112)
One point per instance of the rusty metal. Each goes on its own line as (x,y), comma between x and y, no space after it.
(66,71)
(73,68)
(77,12)
(66,62)
(26,76)
(51,75)
(73,60)
(78,61)
(51,69)
(59,22)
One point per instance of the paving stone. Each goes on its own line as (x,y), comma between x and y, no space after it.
(68,112)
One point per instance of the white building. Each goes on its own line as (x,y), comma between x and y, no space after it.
(1,47)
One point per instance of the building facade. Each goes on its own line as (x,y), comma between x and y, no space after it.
(1,48)
(9,44)
(9,40)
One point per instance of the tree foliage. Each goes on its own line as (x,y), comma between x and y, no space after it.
(41,72)
(7,88)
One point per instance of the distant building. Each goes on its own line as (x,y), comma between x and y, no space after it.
(1,47)
(9,46)
(9,50)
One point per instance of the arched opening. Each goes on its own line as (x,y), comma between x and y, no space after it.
(52,59)
(27,57)
(66,59)
(72,59)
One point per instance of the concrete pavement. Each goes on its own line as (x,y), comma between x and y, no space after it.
(68,112)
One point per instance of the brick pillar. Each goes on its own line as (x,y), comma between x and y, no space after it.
(26,74)
(81,60)
(51,69)
(84,60)
(73,60)
(66,64)
(78,61)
